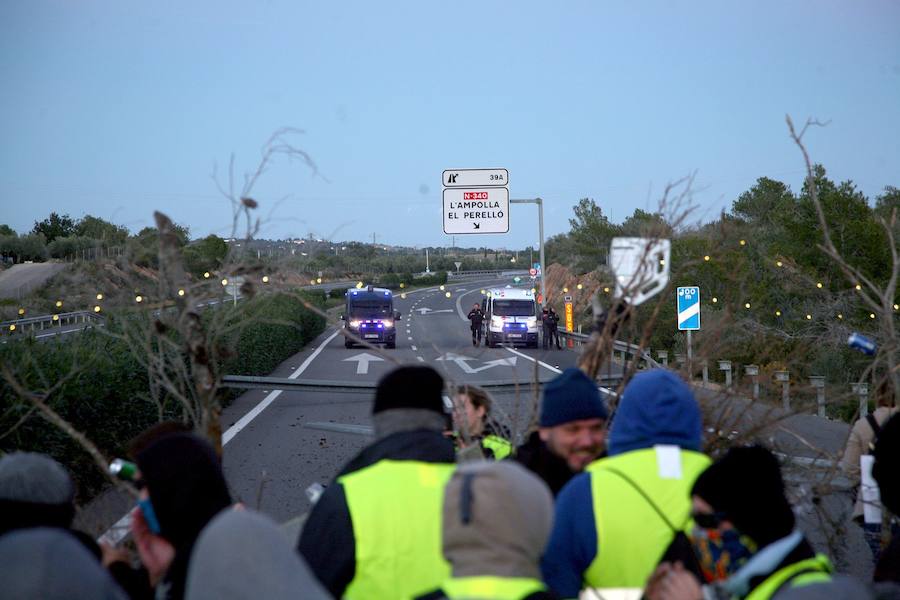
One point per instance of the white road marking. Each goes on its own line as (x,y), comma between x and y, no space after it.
(362,361)
(413,348)
(554,369)
(122,527)
(420,359)
(409,338)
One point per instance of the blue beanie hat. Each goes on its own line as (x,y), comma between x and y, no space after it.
(657,407)
(571,397)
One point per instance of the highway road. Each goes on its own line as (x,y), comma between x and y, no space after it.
(279,442)
(285,449)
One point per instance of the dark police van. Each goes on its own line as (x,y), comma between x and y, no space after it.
(369,315)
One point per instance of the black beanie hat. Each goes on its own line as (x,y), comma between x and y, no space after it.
(410,387)
(887,464)
(746,486)
(186,484)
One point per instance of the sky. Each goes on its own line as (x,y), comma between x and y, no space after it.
(117,109)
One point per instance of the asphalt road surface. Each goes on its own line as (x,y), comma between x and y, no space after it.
(280,442)
(19,280)
(289,445)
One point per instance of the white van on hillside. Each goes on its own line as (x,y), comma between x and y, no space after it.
(511,316)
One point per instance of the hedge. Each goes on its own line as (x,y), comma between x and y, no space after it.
(104,390)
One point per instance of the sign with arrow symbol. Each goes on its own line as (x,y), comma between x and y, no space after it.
(363,360)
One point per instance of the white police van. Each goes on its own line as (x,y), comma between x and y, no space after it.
(511,317)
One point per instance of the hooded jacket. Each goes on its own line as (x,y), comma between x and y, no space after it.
(497,518)
(657,407)
(243,554)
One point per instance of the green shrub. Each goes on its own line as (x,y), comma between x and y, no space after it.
(104,390)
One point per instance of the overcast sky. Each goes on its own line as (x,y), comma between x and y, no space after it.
(120,108)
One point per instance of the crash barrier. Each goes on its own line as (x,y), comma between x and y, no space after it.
(456,276)
(40,323)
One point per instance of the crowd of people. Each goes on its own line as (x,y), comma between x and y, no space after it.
(617,503)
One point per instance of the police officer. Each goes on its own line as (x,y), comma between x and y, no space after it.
(376,530)
(553,319)
(546,324)
(476,318)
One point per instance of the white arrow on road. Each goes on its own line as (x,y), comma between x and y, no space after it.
(425,310)
(362,366)
(500,362)
(460,360)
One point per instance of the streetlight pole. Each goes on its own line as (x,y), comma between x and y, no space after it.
(540,205)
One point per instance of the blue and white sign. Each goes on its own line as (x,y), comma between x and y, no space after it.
(689,308)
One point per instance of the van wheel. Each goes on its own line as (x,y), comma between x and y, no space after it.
(347,343)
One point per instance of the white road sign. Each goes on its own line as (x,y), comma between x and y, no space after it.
(476,210)
(460,178)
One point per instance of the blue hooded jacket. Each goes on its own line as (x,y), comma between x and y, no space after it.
(657,407)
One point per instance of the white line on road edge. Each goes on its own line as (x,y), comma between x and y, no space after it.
(246,419)
(121,528)
(552,368)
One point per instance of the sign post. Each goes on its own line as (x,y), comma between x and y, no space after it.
(688,298)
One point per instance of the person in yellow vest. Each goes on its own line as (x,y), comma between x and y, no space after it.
(739,509)
(376,530)
(497,518)
(475,422)
(614,521)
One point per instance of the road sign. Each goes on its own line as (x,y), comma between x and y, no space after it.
(641,267)
(462,178)
(532,272)
(688,308)
(468,210)
(570,315)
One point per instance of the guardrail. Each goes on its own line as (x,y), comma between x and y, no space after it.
(618,346)
(47,322)
(499,274)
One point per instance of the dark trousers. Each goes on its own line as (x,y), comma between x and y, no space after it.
(476,331)
(554,335)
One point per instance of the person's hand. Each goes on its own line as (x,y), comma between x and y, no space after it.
(156,553)
(109,554)
(673,582)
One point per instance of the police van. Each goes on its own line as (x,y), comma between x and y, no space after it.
(511,316)
(369,315)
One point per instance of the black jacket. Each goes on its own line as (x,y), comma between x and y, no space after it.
(327,541)
(476,317)
(537,458)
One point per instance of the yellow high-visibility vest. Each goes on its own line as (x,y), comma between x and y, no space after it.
(396,507)
(631,536)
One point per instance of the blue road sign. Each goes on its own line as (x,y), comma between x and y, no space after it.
(689,308)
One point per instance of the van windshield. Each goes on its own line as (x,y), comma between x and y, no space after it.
(514,308)
(370,309)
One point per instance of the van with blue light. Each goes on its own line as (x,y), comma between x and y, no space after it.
(370,316)
(511,316)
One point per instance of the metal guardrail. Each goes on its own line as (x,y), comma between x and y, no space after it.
(285,383)
(499,274)
(46,322)
(618,346)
